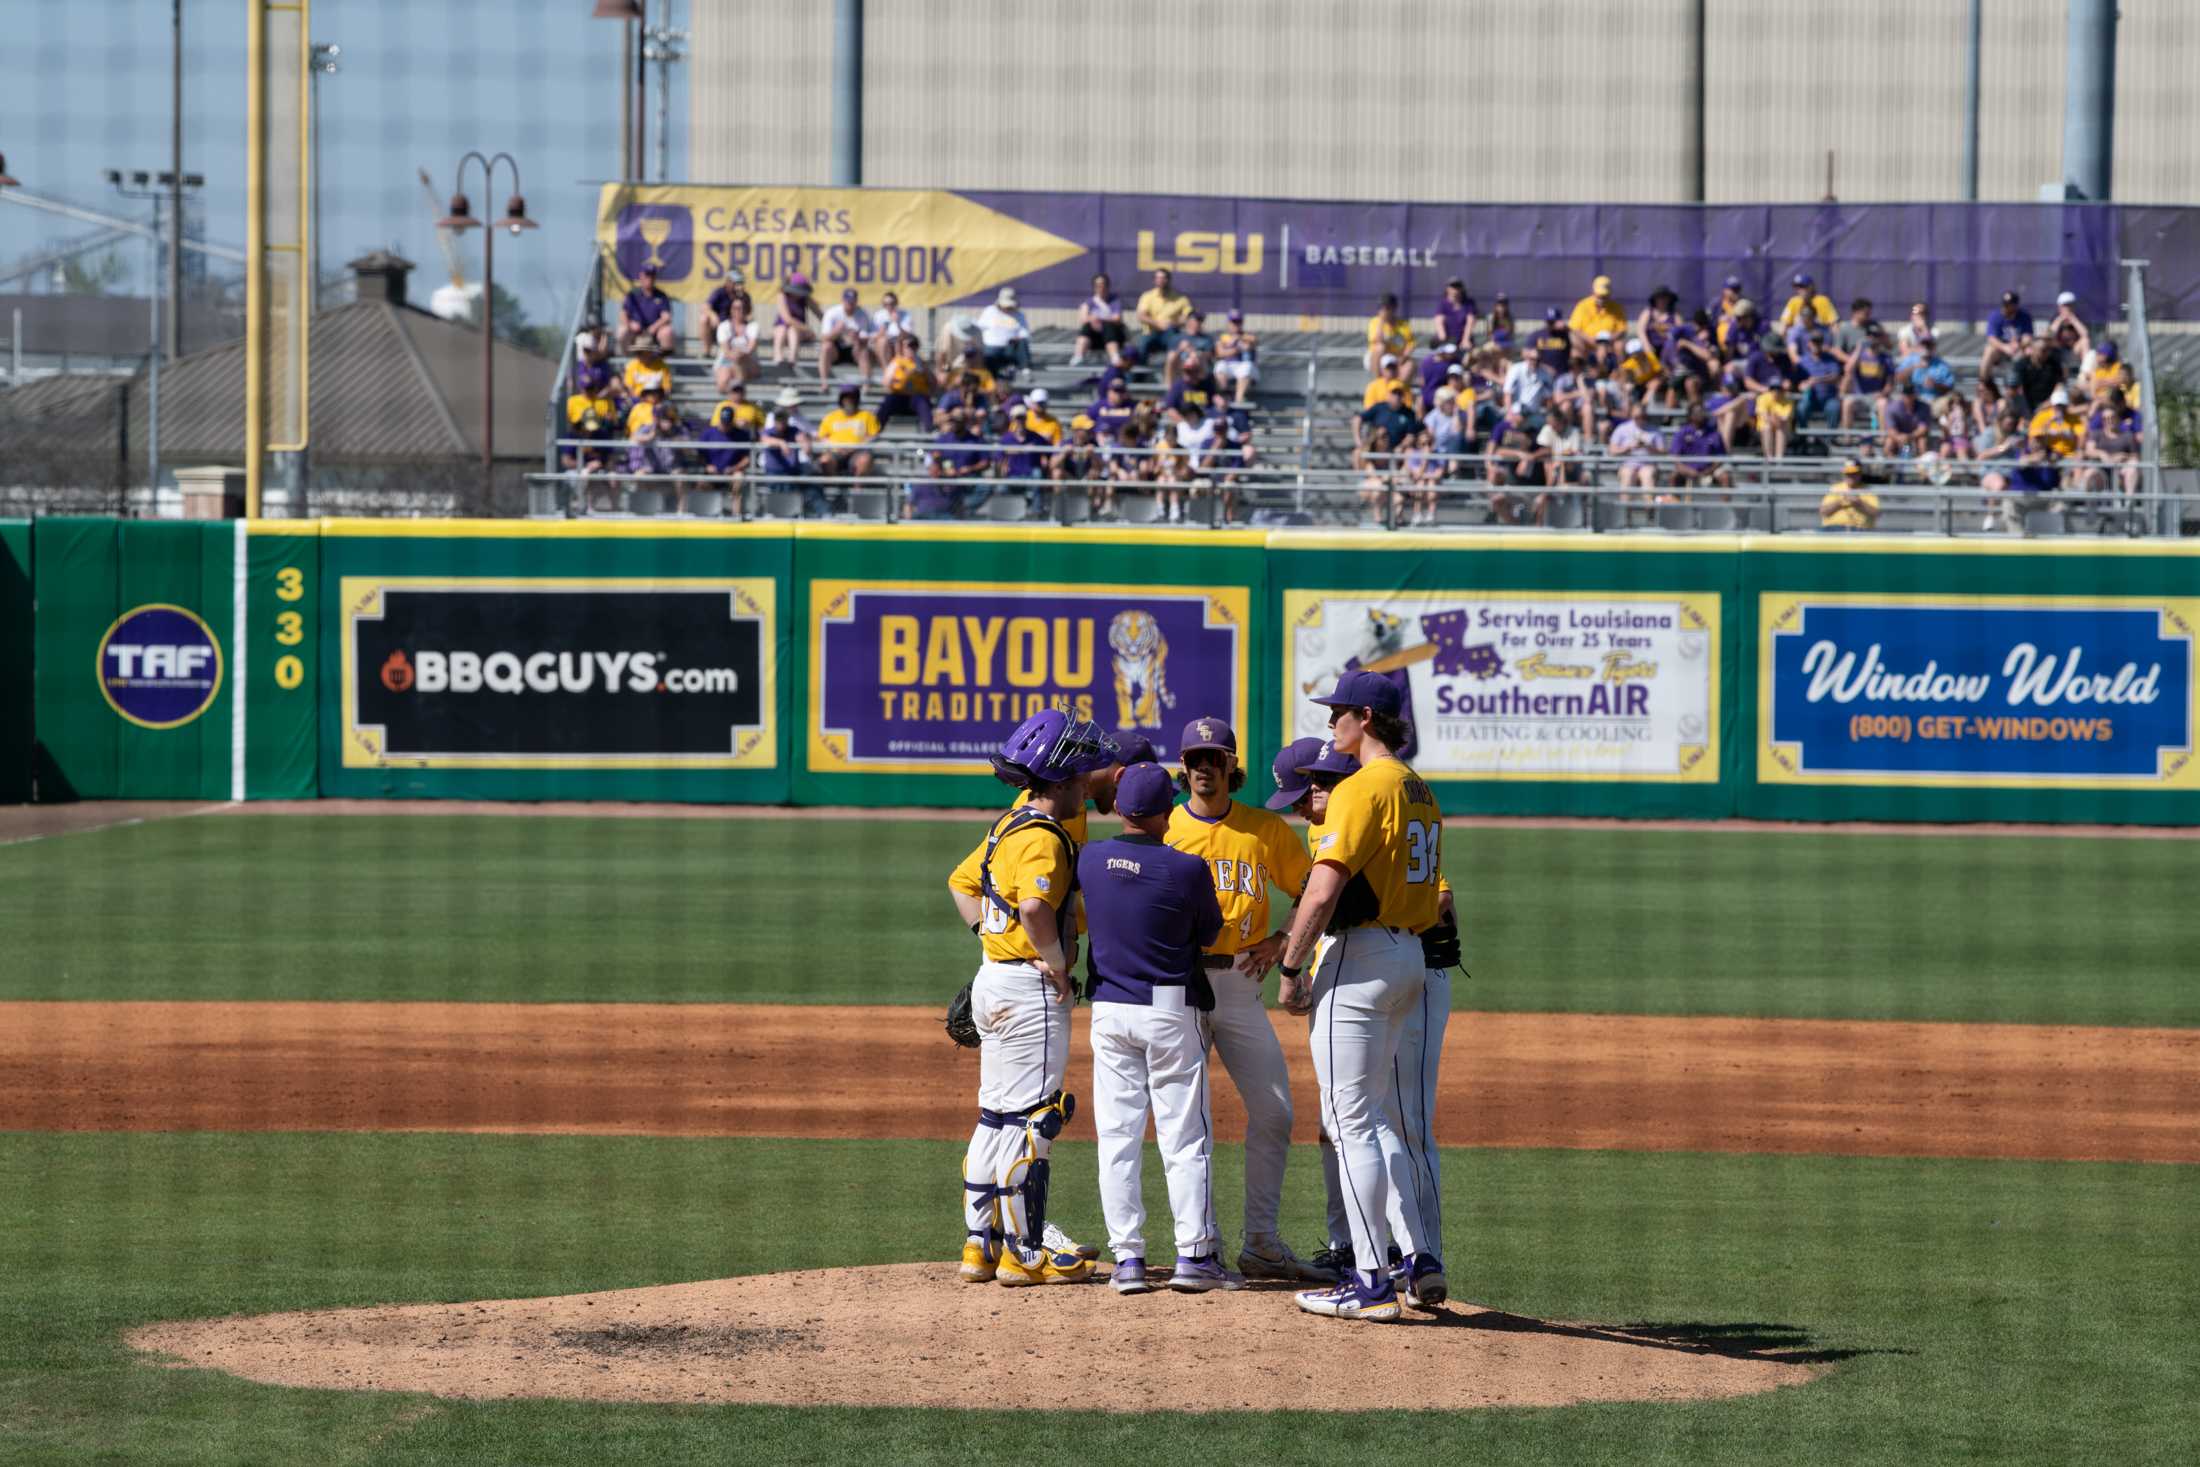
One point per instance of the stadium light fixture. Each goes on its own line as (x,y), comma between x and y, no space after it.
(515,215)
(461,217)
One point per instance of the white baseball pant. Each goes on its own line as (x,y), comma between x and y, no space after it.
(1366,982)
(1247,1043)
(1154,1058)
(1023,1057)
(1420,1057)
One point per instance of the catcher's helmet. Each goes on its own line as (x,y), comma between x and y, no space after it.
(1049,747)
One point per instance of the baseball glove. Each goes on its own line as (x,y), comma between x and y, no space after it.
(1440,945)
(961,1027)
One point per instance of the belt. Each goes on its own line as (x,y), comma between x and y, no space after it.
(1213,961)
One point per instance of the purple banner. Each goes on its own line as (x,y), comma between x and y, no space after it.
(1281,256)
(921,678)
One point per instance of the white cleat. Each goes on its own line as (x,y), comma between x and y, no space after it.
(1058,1241)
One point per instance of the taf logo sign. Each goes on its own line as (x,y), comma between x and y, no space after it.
(159,666)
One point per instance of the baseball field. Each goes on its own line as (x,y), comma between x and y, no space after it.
(534,1138)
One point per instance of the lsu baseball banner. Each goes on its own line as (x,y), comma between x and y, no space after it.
(548,673)
(927,677)
(2009,692)
(928,247)
(1544,686)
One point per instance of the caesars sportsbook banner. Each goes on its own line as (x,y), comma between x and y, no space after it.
(2010,692)
(1529,686)
(528,673)
(916,677)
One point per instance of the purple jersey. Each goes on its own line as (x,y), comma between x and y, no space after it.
(645,304)
(591,379)
(1451,320)
(1696,447)
(1021,450)
(2002,326)
(1149,910)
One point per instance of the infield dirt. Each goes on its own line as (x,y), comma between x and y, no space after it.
(1569,1080)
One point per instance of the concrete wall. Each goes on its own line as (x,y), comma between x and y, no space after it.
(1442,99)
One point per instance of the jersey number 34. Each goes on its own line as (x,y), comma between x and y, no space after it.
(1422,859)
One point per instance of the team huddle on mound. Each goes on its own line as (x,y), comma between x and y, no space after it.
(1175,913)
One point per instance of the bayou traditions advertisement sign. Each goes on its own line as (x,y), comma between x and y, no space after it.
(526,673)
(1988,691)
(1549,686)
(920,677)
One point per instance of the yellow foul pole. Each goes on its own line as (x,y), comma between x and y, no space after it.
(255,247)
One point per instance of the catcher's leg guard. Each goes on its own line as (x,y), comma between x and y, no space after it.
(981,1194)
(1021,1187)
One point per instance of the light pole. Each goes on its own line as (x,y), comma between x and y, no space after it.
(629,15)
(144,184)
(320,62)
(461,219)
(664,44)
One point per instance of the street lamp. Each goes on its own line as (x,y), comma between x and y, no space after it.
(458,221)
(630,12)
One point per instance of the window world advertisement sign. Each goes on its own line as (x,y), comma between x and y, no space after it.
(1987,691)
(1544,686)
(921,677)
(542,673)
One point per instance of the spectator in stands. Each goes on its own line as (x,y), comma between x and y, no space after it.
(1130,455)
(646,314)
(1553,342)
(1957,424)
(1692,356)
(2006,331)
(1113,410)
(728,449)
(844,438)
(745,413)
(1866,379)
(974,394)
(1023,459)
(2111,438)
(1006,333)
(1850,335)
(734,345)
(1195,387)
(1637,444)
(591,375)
(2001,449)
(889,324)
(1767,362)
(1604,354)
(1190,447)
(1697,451)
(1391,417)
(1389,372)
(1741,332)
(1820,387)
(1418,474)
(1728,304)
(1376,457)
(1235,455)
(1639,372)
(1388,333)
(1502,329)
(1081,460)
(2099,372)
(646,369)
(960,341)
(1775,418)
(1196,343)
(1656,322)
(1920,323)
(1456,317)
(783,449)
(909,386)
(1100,325)
(1450,427)
(1529,385)
(1515,461)
(719,307)
(1905,428)
(1236,353)
(791,326)
(1849,505)
(1453,376)
(1807,306)
(1732,404)
(1484,394)
(1562,444)
(1597,311)
(1987,401)
(844,335)
(959,457)
(1039,417)
(2052,438)
(1927,371)
(2066,314)
(1161,311)
(646,455)
(2039,374)
(593,420)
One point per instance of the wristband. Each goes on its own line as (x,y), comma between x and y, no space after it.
(1289,972)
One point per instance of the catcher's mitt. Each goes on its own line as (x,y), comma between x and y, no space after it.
(961,1027)
(1440,945)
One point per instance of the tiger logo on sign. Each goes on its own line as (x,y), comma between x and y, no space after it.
(1141,670)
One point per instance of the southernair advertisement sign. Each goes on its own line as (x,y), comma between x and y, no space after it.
(525,673)
(1987,691)
(921,677)
(1560,686)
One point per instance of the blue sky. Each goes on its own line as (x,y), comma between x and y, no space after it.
(84,87)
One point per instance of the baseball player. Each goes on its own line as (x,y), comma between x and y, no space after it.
(1372,893)
(1246,850)
(1151,910)
(1024,914)
(1100,784)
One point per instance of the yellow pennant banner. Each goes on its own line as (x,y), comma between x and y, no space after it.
(930,248)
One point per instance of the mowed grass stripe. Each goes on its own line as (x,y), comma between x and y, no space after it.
(1973,1311)
(1984,928)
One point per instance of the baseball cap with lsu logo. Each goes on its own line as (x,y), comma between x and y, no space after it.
(1363,689)
(1207,733)
(1291,781)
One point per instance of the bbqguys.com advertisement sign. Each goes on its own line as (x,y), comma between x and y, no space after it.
(2015,692)
(557,674)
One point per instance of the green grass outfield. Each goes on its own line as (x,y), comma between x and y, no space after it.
(1977,1311)
(1978,928)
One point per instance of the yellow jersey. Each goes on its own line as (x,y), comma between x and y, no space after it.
(2056,431)
(1037,420)
(1169,307)
(860,426)
(1075,825)
(1384,829)
(1820,309)
(745,414)
(1378,390)
(1247,850)
(1641,369)
(1592,315)
(1395,337)
(1771,406)
(580,405)
(910,376)
(641,376)
(1844,508)
(1027,862)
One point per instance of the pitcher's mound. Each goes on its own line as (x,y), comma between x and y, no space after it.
(916,1335)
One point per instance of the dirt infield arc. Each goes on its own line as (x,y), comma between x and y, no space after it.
(1597,1081)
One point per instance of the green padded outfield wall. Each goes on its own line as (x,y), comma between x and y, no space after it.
(140,662)
(16,662)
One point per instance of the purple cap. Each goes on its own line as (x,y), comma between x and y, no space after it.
(798,281)
(1236,314)
(1145,789)
(2105,352)
(1364,689)
(1136,749)
(1550,313)
(1800,279)
(1733,282)
(1291,785)
(1207,733)
(1328,760)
